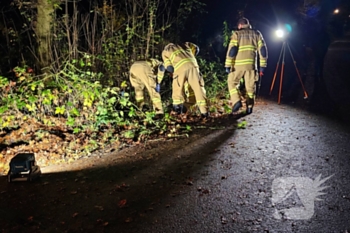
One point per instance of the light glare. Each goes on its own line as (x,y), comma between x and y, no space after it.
(280,33)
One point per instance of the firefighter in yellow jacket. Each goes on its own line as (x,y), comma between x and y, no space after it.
(190,98)
(241,62)
(148,74)
(181,62)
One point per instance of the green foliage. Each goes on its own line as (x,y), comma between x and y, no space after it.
(86,90)
(71,93)
(242,125)
(227,33)
(3,82)
(215,78)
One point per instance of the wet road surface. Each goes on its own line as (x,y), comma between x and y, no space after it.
(287,171)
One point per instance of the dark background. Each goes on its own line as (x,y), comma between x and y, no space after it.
(313,30)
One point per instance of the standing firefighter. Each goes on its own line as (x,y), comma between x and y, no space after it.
(241,62)
(179,59)
(148,74)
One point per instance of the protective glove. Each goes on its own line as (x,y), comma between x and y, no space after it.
(158,87)
(170,69)
(261,71)
(161,68)
(228,70)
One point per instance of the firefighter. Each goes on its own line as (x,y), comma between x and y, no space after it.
(148,74)
(241,62)
(190,98)
(180,60)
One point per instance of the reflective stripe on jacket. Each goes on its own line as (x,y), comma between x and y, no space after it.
(178,55)
(155,66)
(246,44)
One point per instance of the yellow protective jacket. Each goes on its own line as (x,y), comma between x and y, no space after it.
(245,45)
(157,68)
(179,56)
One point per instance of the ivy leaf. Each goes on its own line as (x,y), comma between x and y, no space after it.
(70,121)
(123,101)
(32,99)
(227,108)
(47,122)
(132,112)
(87,102)
(46,101)
(21,105)
(112,100)
(60,110)
(3,109)
(76,130)
(242,125)
(30,108)
(101,110)
(32,87)
(129,134)
(5,124)
(75,112)
(123,84)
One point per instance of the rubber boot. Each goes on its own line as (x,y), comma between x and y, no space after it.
(205,115)
(179,109)
(236,107)
(249,110)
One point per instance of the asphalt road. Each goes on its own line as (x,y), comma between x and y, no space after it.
(269,177)
(287,171)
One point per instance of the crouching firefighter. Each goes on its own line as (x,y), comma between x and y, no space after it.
(241,62)
(181,62)
(190,98)
(148,74)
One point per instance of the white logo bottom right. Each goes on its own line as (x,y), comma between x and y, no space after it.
(294,197)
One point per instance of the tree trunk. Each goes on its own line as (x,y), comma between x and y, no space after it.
(43,28)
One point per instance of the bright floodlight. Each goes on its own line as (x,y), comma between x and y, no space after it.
(280,33)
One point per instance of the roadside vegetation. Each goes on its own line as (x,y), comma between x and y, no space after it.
(64,82)
(65,91)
